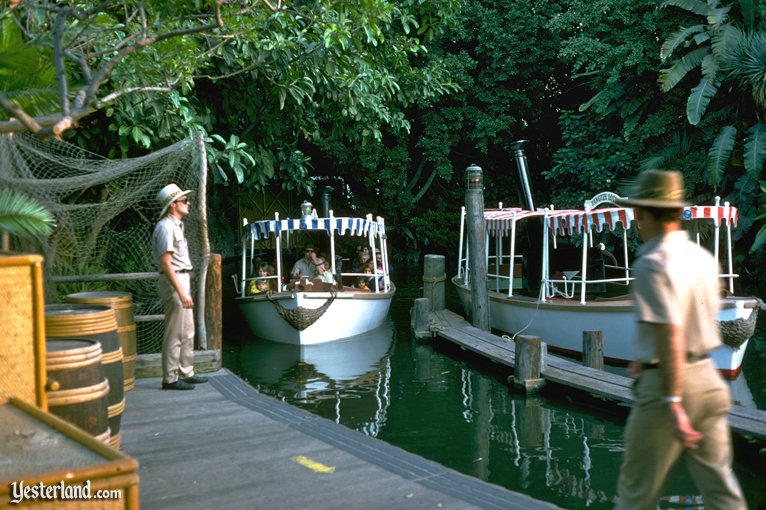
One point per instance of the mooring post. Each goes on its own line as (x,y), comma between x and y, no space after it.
(474,220)
(421,319)
(433,280)
(593,349)
(528,364)
(214,310)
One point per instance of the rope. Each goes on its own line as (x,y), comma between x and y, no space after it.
(434,279)
(301,318)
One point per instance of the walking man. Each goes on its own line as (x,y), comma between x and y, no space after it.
(171,255)
(681,400)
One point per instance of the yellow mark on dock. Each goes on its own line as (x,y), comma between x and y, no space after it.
(313,465)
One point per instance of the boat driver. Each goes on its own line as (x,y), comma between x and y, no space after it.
(307,266)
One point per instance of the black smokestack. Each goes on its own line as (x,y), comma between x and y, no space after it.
(525,186)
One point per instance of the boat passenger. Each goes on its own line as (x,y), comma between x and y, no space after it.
(263,269)
(307,266)
(362,258)
(324,273)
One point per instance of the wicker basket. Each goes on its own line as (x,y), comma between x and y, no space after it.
(22,343)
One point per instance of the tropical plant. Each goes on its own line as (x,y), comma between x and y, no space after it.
(726,51)
(22,216)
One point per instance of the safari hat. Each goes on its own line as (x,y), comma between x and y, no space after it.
(657,189)
(168,195)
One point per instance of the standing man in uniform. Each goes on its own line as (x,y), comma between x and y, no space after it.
(171,255)
(681,401)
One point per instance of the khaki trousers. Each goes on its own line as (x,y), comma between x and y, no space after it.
(178,337)
(651,448)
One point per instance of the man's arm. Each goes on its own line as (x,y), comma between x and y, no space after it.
(671,349)
(170,273)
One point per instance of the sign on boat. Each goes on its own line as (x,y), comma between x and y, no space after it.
(584,273)
(306,312)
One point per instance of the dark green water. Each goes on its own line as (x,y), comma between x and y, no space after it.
(443,404)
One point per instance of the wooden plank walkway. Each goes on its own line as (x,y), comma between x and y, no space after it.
(226,446)
(451,326)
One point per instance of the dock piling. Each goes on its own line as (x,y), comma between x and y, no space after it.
(477,265)
(434,277)
(593,349)
(421,319)
(528,364)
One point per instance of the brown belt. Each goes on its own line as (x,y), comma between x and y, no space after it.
(690,358)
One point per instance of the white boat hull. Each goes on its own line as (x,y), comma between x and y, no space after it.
(560,324)
(351,313)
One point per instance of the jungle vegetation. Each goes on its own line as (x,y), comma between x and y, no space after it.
(396,99)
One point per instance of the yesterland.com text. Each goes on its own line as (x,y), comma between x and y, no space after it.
(21,491)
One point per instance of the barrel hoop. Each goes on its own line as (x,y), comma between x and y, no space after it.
(112,357)
(116,409)
(78,325)
(104,438)
(126,329)
(78,395)
(71,359)
(127,358)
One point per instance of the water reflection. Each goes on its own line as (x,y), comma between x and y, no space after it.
(353,374)
(445,405)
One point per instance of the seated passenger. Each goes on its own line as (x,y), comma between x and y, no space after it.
(364,282)
(261,284)
(306,267)
(362,258)
(324,273)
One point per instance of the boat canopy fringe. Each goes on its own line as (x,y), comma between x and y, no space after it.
(301,318)
(354,226)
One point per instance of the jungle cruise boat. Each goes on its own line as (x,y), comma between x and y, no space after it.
(307,312)
(582,262)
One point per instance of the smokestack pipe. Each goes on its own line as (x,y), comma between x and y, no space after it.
(324,208)
(521,161)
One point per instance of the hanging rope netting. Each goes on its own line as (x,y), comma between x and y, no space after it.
(105,212)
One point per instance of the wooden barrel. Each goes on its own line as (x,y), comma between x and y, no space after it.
(77,389)
(122,304)
(98,323)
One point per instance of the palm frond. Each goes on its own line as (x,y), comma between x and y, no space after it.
(719,153)
(748,8)
(693,6)
(677,39)
(23,216)
(670,77)
(710,68)
(728,42)
(755,150)
(699,99)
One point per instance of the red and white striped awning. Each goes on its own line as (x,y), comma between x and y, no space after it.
(571,221)
(717,213)
(500,221)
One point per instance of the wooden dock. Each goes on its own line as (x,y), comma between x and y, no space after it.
(750,423)
(225,445)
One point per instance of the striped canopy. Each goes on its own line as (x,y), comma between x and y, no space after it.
(500,221)
(343,226)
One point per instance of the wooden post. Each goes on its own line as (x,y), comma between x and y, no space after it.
(593,349)
(213,310)
(527,364)
(474,219)
(433,281)
(421,318)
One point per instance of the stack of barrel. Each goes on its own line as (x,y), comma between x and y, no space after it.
(87,376)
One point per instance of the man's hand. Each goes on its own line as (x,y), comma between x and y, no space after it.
(682,427)
(186,300)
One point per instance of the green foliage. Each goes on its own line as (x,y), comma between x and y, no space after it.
(27,74)
(23,216)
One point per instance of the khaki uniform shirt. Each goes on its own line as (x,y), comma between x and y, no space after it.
(169,236)
(676,282)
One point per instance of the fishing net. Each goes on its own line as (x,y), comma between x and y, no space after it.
(105,212)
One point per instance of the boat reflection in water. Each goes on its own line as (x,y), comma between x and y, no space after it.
(351,374)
